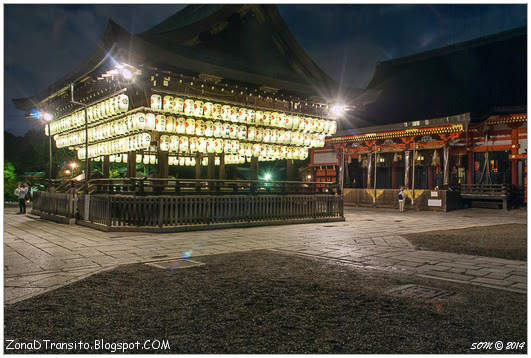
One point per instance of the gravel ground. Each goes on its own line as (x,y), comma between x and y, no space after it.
(266,302)
(503,241)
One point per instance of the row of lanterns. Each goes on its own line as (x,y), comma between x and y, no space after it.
(121,145)
(216,111)
(137,122)
(102,110)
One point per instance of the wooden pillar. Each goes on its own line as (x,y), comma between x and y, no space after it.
(163,164)
(370,156)
(254,168)
(222,166)
(514,151)
(198,166)
(131,164)
(394,174)
(431,184)
(446,166)
(107,166)
(211,173)
(470,167)
(290,169)
(407,168)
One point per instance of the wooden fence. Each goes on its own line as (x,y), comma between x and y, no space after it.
(61,204)
(125,212)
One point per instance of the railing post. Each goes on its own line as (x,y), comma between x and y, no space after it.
(161,211)
(109,214)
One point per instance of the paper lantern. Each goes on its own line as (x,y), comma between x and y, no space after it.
(156,102)
(227,146)
(207,109)
(192,143)
(283,152)
(307,140)
(152,159)
(258,117)
(201,145)
(251,133)
(233,114)
(332,128)
(242,132)
(256,150)
(242,115)
(174,143)
(210,145)
(160,123)
(183,144)
(218,146)
(180,125)
(181,161)
(209,128)
(146,139)
(225,129)
(145,159)
(199,128)
(225,113)
(296,121)
(216,129)
(198,108)
(259,136)
(164,143)
(189,107)
(217,161)
(241,149)
(274,119)
(190,126)
(124,158)
(204,161)
(251,116)
(267,135)
(177,105)
(150,121)
(96,112)
(170,124)
(216,111)
(282,120)
(302,125)
(266,118)
(166,103)
(235,146)
(109,109)
(326,127)
(233,131)
(274,136)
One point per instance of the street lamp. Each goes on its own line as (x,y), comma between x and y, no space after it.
(46,118)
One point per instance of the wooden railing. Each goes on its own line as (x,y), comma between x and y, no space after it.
(54,203)
(204,210)
(488,192)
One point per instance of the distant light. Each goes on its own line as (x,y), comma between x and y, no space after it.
(126,73)
(73,165)
(47,117)
(67,171)
(267,176)
(309,177)
(338,110)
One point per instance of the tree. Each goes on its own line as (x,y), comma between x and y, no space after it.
(10,182)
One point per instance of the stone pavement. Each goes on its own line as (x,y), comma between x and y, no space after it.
(40,255)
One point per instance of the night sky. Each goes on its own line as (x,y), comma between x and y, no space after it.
(44,42)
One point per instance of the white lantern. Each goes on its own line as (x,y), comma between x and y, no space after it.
(210,145)
(251,116)
(177,105)
(180,125)
(256,150)
(160,123)
(216,129)
(283,152)
(152,159)
(274,136)
(234,114)
(227,146)
(150,121)
(174,143)
(326,126)
(288,121)
(207,109)
(274,119)
(170,124)
(218,146)
(198,108)
(146,140)
(266,118)
(251,133)
(181,161)
(166,103)
(123,103)
(217,161)
(164,143)
(201,144)
(189,107)
(192,143)
(242,115)
(124,158)
(302,125)
(258,117)
(190,126)
(216,111)
(259,135)
(209,130)
(267,135)
(225,129)
(199,129)
(183,144)
(225,113)
(242,132)
(233,131)
(115,102)
(333,128)
(235,146)
(307,140)
(156,102)
(204,161)
(109,108)
(296,122)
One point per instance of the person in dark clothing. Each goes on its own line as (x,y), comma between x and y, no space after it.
(21,192)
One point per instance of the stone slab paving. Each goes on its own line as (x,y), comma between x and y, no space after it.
(40,255)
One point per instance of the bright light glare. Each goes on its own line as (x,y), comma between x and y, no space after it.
(126,73)
(47,117)
(338,110)
(309,177)
(73,165)
(267,176)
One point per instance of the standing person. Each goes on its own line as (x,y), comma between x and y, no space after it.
(401,200)
(20,192)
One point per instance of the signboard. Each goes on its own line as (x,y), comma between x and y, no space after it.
(435,202)
(328,157)
(434,194)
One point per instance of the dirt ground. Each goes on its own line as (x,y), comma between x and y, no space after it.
(502,241)
(266,302)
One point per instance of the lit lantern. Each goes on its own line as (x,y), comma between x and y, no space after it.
(233,117)
(241,149)
(124,158)
(164,143)
(326,127)
(251,116)
(320,125)
(146,140)
(170,124)
(207,109)
(282,120)
(332,128)
(242,132)
(235,146)
(270,151)
(181,161)
(115,104)
(251,133)
(180,125)
(258,117)
(216,111)
(201,144)
(225,129)
(198,108)
(266,119)
(190,126)
(174,143)
(209,128)
(156,102)
(302,125)
(225,113)
(288,120)
(189,107)
(166,103)
(274,119)
(150,121)
(210,145)
(96,112)
(152,159)
(267,135)
(304,153)
(218,146)
(192,162)
(287,137)
(314,124)
(183,144)
(307,140)
(233,131)
(138,122)
(199,128)
(109,108)
(204,161)
(283,152)
(242,115)
(177,105)
(259,136)
(227,146)
(296,121)
(192,143)
(216,129)
(217,161)
(256,150)
(160,123)
(274,136)
(103,110)
(90,113)
(46,131)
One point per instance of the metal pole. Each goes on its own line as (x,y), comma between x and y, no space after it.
(413,179)
(341,169)
(50,154)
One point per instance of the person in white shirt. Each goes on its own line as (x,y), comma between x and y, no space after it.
(21,192)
